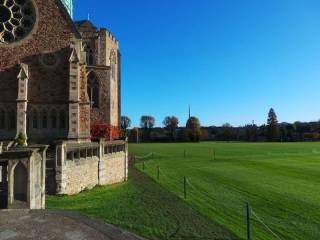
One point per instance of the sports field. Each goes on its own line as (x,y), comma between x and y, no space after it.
(280,181)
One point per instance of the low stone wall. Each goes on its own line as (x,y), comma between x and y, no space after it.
(81,174)
(115,168)
(83,166)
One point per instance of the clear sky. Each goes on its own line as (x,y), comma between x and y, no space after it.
(231,60)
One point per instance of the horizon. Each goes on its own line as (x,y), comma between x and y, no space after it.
(230,61)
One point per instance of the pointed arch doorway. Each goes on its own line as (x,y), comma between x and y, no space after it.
(20,183)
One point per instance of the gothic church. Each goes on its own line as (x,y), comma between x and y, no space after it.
(57,76)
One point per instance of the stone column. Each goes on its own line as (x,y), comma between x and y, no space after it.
(11,165)
(22,101)
(74,98)
(60,169)
(101,163)
(126,157)
(43,151)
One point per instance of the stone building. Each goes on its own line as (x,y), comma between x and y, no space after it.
(58,77)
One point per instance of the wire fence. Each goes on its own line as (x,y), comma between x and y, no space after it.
(187,189)
(211,154)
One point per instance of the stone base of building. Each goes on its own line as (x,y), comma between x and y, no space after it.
(28,173)
(81,166)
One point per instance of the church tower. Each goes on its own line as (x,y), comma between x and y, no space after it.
(69,6)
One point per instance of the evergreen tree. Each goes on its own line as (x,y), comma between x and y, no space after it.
(272,126)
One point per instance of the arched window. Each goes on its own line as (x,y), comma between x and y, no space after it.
(93,90)
(113,71)
(44,119)
(62,119)
(29,119)
(2,119)
(89,54)
(35,119)
(53,118)
(12,120)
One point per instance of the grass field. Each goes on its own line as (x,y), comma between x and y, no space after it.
(281,182)
(144,207)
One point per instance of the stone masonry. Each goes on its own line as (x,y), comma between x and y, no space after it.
(80,167)
(58,78)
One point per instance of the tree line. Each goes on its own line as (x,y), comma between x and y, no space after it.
(192,131)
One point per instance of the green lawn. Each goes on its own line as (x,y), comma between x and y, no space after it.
(144,207)
(281,182)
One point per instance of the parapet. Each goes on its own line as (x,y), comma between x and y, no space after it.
(107,33)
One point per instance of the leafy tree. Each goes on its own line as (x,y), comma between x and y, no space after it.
(125,123)
(228,132)
(251,132)
(134,135)
(204,134)
(147,122)
(171,124)
(272,126)
(193,127)
(183,135)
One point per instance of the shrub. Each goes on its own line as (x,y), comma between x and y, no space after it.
(104,131)
(21,140)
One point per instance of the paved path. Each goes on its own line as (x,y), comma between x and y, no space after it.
(51,225)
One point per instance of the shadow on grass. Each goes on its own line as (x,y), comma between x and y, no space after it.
(143,206)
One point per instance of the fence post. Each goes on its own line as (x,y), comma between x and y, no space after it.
(158,172)
(248,222)
(185,187)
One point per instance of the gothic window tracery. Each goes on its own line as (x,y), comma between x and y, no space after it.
(93,90)
(89,54)
(35,119)
(113,62)
(12,119)
(53,117)
(17,18)
(44,118)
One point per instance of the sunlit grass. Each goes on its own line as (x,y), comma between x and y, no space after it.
(281,182)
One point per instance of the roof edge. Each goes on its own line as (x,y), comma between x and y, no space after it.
(69,19)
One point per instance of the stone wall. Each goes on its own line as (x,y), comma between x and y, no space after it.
(81,174)
(115,168)
(53,31)
(81,166)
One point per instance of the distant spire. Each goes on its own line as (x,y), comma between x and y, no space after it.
(189,111)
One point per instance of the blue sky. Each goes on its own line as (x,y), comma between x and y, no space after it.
(231,60)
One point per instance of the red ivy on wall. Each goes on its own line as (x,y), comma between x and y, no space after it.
(108,132)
